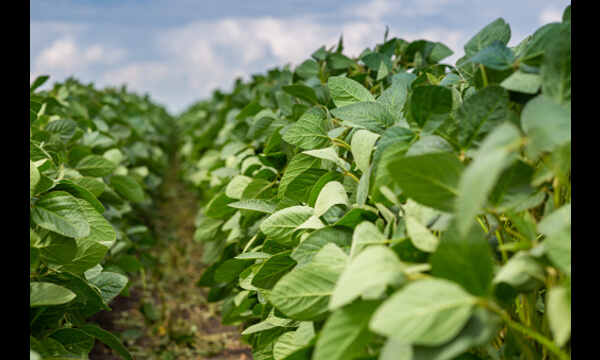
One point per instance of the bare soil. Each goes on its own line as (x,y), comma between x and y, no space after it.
(166,316)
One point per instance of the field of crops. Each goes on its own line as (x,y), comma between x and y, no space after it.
(381,207)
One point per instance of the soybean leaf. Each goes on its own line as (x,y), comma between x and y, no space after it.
(498,30)
(430,179)
(128,187)
(546,123)
(333,193)
(373,269)
(558,309)
(306,250)
(60,212)
(428,102)
(426,312)
(310,131)
(108,339)
(362,144)
(303,293)
(47,294)
(272,270)
(368,115)
(281,224)
(302,92)
(345,91)
(95,166)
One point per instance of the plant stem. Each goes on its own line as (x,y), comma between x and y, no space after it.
(483,75)
(341,143)
(544,341)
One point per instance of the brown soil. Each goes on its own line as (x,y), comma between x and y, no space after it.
(166,316)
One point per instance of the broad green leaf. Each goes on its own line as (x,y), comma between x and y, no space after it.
(74,340)
(555,71)
(420,236)
(480,113)
(294,344)
(303,293)
(522,82)
(393,99)
(329,154)
(80,192)
(95,186)
(60,212)
(557,228)
(235,188)
(272,270)
(394,142)
(426,312)
(465,260)
(481,328)
(495,56)
(362,144)
(345,332)
(306,250)
(297,167)
(396,349)
(318,186)
(374,268)
(230,269)
(47,294)
(368,115)
(307,69)
(110,284)
(128,187)
(365,234)
(333,193)
(546,123)
(218,207)
(430,179)
(558,308)
(302,92)
(34,178)
(108,339)
(60,251)
(281,224)
(345,91)
(479,178)
(95,166)
(522,271)
(257,205)
(498,30)
(207,229)
(114,155)
(310,131)
(428,102)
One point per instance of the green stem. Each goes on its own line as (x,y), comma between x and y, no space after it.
(341,143)
(348,173)
(502,250)
(544,341)
(483,75)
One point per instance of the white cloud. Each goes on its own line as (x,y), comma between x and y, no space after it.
(550,14)
(377,9)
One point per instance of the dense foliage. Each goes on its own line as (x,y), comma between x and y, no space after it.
(95,159)
(392,207)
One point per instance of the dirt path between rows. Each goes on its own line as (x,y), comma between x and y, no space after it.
(166,316)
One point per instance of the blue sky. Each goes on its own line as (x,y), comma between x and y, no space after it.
(179,51)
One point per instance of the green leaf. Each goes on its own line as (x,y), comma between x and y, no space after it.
(281,224)
(318,186)
(345,91)
(329,154)
(555,71)
(302,92)
(47,294)
(60,212)
(272,270)
(479,178)
(430,101)
(369,272)
(128,187)
(481,328)
(95,186)
(393,99)
(108,339)
(557,229)
(362,144)
(303,293)
(430,179)
(306,250)
(80,192)
(345,333)
(310,131)
(294,344)
(365,234)
(95,166)
(420,236)
(496,56)
(39,81)
(558,310)
(307,69)
(368,115)
(74,340)
(498,30)
(333,193)
(546,123)
(426,312)
(299,166)
(522,271)
(110,284)
(466,260)
(236,186)
(257,205)
(34,178)
(480,113)
(522,82)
